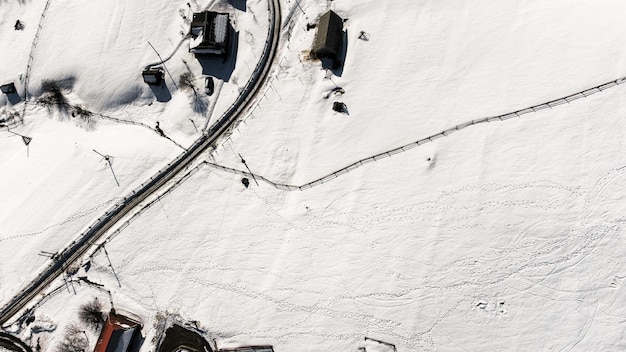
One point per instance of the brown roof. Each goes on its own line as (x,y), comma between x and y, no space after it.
(329,37)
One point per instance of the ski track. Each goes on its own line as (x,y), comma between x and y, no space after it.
(467,281)
(75,217)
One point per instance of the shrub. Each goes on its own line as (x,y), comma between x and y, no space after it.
(186,82)
(85,116)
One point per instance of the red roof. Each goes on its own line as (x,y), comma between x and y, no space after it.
(114,322)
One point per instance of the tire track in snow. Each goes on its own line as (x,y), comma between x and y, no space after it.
(495,272)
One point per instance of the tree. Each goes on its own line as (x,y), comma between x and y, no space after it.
(186,82)
(91,314)
(74,340)
(53,95)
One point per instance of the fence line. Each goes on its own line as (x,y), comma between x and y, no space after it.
(135,123)
(387,154)
(31,56)
(58,290)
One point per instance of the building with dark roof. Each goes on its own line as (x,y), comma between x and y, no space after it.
(328,41)
(153,76)
(118,334)
(8,88)
(249,349)
(210,33)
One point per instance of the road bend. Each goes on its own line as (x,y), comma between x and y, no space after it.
(81,245)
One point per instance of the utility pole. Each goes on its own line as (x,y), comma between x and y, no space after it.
(111,265)
(26,141)
(194,123)
(163,62)
(298,3)
(246,165)
(108,160)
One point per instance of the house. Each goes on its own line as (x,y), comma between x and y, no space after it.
(210,34)
(179,337)
(118,334)
(153,76)
(249,349)
(328,41)
(8,88)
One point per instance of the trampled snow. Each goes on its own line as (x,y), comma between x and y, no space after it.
(502,236)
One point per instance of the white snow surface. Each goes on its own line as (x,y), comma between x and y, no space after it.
(504,236)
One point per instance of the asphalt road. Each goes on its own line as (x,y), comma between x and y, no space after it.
(81,245)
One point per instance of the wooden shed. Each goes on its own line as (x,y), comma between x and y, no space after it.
(329,37)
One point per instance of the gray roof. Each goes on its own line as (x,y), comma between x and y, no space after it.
(215,28)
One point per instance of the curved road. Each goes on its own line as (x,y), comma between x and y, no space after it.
(13,343)
(79,246)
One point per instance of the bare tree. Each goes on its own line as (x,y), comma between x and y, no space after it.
(187,82)
(53,95)
(91,314)
(74,340)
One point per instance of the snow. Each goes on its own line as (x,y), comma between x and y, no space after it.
(221,26)
(501,236)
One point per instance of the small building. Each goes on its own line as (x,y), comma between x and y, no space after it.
(249,349)
(8,88)
(210,34)
(153,76)
(118,334)
(328,41)
(178,338)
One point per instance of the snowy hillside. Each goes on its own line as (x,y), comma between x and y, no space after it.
(503,236)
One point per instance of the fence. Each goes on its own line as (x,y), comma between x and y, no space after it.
(444,133)
(101,225)
(58,290)
(31,56)
(256,76)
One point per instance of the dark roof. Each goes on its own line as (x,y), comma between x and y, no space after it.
(249,349)
(214,29)
(8,88)
(117,334)
(152,75)
(177,336)
(121,339)
(329,37)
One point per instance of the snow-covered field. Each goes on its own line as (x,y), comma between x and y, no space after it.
(502,236)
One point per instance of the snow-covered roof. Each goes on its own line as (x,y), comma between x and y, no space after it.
(220,27)
(209,32)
